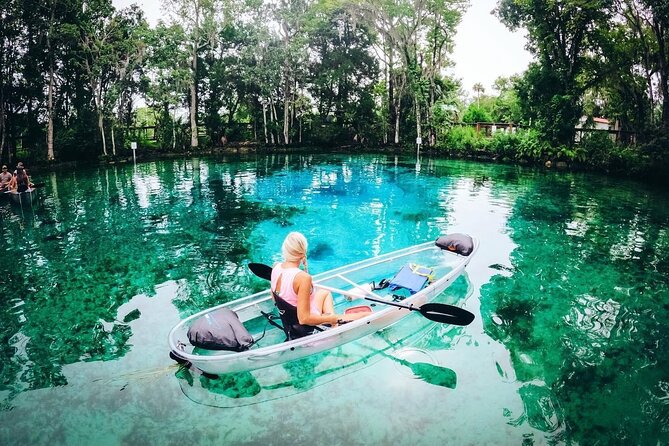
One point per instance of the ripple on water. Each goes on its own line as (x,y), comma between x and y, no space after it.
(593,316)
(542,410)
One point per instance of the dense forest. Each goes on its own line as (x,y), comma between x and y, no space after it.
(79,79)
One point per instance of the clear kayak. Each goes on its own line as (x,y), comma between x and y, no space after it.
(26,197)
(350,288)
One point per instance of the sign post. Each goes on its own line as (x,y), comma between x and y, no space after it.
(133,146)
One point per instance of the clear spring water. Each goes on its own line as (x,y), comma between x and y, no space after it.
(570,289)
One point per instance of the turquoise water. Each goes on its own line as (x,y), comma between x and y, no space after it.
(569,287)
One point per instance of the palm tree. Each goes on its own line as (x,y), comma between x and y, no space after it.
(478,88)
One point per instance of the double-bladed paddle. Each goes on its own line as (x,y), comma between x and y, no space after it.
(444,313)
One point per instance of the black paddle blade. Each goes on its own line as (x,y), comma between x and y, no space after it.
(448,314)
(261,270)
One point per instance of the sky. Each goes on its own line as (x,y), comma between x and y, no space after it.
(484,48)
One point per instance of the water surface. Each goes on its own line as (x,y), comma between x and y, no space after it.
(569,288)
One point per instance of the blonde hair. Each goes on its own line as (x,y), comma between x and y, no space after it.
(294,247)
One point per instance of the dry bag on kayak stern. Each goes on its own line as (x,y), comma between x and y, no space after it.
(220,330)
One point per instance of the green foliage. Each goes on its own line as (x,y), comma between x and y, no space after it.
(505,144)
(506,106)
(475,113)
(343,75)
(311,70)
(463,140)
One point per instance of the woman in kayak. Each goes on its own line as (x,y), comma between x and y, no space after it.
(314,307)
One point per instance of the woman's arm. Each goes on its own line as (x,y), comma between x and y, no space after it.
(303,286)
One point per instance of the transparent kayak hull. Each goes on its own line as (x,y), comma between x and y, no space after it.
(272,349)
(23,198)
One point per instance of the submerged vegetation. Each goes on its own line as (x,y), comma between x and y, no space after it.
(80,80)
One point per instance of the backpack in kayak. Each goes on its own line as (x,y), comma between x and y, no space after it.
(220,330)
(411,277)
(459,243)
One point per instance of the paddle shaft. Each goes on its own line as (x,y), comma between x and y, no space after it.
(444,313)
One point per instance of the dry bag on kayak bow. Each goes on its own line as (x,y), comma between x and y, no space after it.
(460,243)
(220,330)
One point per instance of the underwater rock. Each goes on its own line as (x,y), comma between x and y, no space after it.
(134,314)
(320,251)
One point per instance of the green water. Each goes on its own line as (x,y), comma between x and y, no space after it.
(570,289)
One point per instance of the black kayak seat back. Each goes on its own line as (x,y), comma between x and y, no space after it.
(291,324)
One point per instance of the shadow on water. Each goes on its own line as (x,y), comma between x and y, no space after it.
(294,377)
(281,381)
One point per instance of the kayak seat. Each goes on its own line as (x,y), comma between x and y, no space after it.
(291,325)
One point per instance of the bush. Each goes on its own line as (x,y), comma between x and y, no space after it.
(531,147)
(463,139)
(475,113)
(505,144)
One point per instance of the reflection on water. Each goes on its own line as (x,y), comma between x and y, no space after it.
(569,287)
(582,310)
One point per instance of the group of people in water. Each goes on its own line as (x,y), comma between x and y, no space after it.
(19,181)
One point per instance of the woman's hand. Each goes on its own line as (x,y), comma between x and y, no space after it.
(354,316)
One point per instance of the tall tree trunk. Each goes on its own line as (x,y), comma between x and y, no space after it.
(391,93)
(174,129)
(3,129)
(101,126)
(193,104)
(264,121)
(286,114)
(275,119)
(193,86)
(101,122)
(50,156)
(418,127)
(663,64)
(49,133)
(113,141)
(397,120)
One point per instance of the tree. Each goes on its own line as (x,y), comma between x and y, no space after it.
(506,106)
(478,89)
(197,17)
(343,73)
(563,35)
(169,78)
(419,34)
(648,20)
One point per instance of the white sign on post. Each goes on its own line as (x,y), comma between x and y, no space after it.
(133,146)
